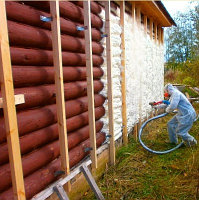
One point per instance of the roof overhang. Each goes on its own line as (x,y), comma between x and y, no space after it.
(152,9)
(156,11)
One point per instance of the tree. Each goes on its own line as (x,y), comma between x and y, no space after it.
(182,42)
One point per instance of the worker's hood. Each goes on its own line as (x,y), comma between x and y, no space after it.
(170,88)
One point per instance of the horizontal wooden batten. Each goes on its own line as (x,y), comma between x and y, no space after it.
(19,99)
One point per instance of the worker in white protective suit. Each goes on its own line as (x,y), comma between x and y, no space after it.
(181,123)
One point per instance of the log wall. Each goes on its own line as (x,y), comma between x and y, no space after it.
(33,74)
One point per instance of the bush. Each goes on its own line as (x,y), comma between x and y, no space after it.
(189,81)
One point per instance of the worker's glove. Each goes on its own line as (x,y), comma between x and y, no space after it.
(166,102)
(167,110)
(160,106)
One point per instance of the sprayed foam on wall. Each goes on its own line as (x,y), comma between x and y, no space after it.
(144,73)
(116,65)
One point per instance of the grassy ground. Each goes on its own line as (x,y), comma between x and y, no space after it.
(141,175)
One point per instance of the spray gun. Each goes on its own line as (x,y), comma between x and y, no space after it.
(159,102)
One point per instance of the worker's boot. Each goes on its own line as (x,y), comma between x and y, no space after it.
(191,143)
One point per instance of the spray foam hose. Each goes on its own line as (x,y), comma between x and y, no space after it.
(147,148)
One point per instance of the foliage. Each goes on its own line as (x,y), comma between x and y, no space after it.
(182,49)
(182,42)
(188,81)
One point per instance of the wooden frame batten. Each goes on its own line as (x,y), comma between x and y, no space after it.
(7,90)
(109,77)
(90,87)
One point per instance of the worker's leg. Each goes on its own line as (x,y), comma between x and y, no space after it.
(184,126)
(172,125)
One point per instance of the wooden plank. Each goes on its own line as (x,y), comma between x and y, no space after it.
(155,32)
(19,99)
(90,89)
(159,35)
(60,101)
(109,79)
(123,78)
(145,24)
(151,27)
(133,12)
(135,132)
(162,35)
(139,15)
(7,91)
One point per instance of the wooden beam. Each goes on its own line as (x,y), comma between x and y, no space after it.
(133,12)
(145,23)
(90,89)
(59,85)
(155,32)
(135,132)
(7,91)
(139,15)
(159,35)
(123,77)
(19,99)
(109,77)
(162,35)
(151,28)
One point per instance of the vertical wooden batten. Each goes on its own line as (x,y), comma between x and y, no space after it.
(159,35)
(90,88)
(123,78)
(109,77)
(7,91)
(139,16)
(133,13)
(151,28)
(135,130)
(145,24)
(162,35)
(59,84)
(155,32)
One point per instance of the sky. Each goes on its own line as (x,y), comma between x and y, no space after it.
(174,6)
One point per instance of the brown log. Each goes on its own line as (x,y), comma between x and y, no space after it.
(44,136)
(95,7)
(32,37)
(40,179)
(27,75)
(31,16)
(41,157)
(68,10)
(32,120)
(21,56)
(45,94)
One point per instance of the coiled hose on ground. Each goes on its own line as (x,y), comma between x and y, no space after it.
(147,148)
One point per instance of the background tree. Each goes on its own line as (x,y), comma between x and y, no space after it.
(182,42)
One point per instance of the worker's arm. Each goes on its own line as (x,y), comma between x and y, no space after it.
(174,102)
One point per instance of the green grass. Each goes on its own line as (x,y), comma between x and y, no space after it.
(141,175)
